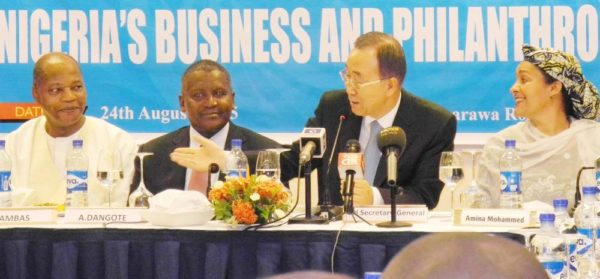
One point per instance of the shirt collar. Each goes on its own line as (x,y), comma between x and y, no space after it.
(388,119)
(219,138)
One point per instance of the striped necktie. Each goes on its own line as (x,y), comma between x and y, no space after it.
(372,153)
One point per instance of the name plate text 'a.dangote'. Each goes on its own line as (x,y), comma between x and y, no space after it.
(494,217)
(102,215)
(410,213)
(37,215)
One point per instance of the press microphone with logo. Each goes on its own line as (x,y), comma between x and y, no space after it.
(391,142)
(312,144)
(350,167)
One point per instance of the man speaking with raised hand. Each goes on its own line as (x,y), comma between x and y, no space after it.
(374,99)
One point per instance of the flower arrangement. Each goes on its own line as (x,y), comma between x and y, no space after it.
(249,200)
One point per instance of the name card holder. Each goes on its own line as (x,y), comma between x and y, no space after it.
(102,215)
(28,215)
(495,217)
(405,212)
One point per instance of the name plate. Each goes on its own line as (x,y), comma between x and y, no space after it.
(405,212)
(28,215)
(494,217)
(102,215)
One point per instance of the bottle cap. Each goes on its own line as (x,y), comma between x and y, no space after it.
(372,275)
(547,217)
(236,143)
(78,143)
(589,190)
(510,143)
(562,203)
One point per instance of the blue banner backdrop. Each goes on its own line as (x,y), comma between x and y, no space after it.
(283,54)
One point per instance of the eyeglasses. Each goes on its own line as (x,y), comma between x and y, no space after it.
(347,79)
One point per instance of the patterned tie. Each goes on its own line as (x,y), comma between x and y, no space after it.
(372,153)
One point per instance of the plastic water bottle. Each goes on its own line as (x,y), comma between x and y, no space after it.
(77,176)
(585,220)
(237,162)
(549,248)
(510,177)
(5,171)
(562,220)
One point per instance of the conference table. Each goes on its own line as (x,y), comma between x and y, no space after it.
(213,250)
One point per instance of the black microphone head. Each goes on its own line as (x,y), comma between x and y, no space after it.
(392,137)
(352,146)
(213,168)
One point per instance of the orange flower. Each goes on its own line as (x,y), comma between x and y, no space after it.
(219,194)
(248,200)
(281,196)
(244,212)
(265,191)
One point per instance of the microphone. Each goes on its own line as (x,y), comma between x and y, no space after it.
(327,190)
(391,142)
(213,175)
(335,141)
(312,144)
(351,160)
(350,166)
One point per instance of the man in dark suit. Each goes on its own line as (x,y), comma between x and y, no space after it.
(374,99)
(374,75)
(207,99)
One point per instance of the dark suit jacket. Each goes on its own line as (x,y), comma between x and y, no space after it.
(430,129)
(160,173)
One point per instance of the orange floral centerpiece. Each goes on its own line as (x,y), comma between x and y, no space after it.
(249,200)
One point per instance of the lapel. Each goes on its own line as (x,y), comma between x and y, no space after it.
(181,139)
(404,119)
(233,133)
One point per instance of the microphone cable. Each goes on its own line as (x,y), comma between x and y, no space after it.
(335,243)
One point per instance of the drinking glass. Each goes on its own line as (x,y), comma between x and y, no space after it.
(474,196)
(267,164)
(451,172)
(139,197)
(109,170)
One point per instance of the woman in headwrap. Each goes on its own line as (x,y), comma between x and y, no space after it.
(559,135)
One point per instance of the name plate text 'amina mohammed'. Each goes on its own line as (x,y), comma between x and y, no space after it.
(494,217)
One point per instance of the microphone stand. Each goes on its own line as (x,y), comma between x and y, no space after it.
(333,212)
(394,190)
(349,200)
(308,218)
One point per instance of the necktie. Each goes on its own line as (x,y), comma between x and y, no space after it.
(199,182)
(372,153)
